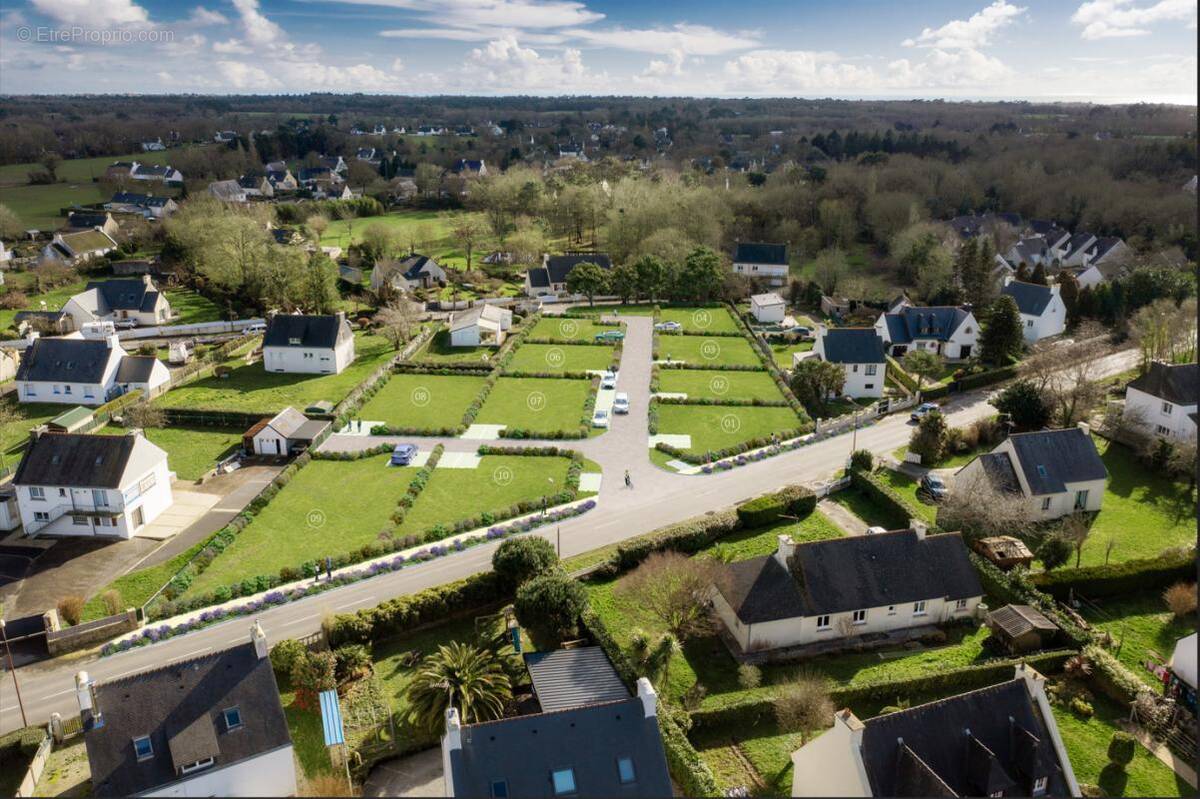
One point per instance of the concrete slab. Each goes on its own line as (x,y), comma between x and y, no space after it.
(459,460)
(421,458)
(682,466)
(360,427)
(605,398)
(186,508)
(677,440)
(590,481)
(415,775)
(484,432)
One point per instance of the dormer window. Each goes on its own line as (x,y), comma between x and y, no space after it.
(143,748)
(199,764)
(1039,786)
(1041,470)
(499,789)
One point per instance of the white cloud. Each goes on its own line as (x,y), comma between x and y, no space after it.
(1106,19)
(239,75)
(671,66)
(258,29)
(963,68)
(231,47)
(96,13)
(504,65)
(204,16)
(680,38)
(473,34)
(495,14)
(785,71)
(397,65)
(972,33)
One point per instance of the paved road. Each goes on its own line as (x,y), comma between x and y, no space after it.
(658,498)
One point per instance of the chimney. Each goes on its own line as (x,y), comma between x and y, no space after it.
(148,281)
(645,692)
(260,640)
(846,723)
(786,548)
(83,690)
(919,527)
(1035,683)
(114,341)
(453,738)
(1085,427)
(1055,289)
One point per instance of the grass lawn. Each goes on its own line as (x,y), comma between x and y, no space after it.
(538,404)
(416,400)
(700,320)
(866,508)
(250,388)
(311,518)
(39,206)
(54,298)
(569,329)
(1142,511)
(80,169)
(13,435)
(954,461)
(191,451)
(429,231)
(906,487)
(783,352)
(560,358)
(714,427)
(708,351)
(438,350)
(1141,623)
(1086,742)
(705,384)
(192,307)
(304,724)
(137,587)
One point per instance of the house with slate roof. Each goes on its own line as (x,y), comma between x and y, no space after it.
(414,272)
(93,220)
(79,247)
(148,205)
(480,326)
(286,433)
(946,330)
(206,726)
(1001,740)
(551,276)
(85,371)
(825,594)
(137,299)
(1164,400)
(1043,313)
(308,344)
(467,168)
(72,484)
(1058,472)
(859,351)
(768,262)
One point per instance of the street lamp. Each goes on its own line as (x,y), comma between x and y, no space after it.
(12,669)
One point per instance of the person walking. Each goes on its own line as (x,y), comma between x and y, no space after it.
(628,480)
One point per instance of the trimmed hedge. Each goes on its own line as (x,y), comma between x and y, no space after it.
(756,402)
(898,510)
(769,508)
(1013,587)
(688,537)
(417,485)
(1166,569)
(727,452)
(1111,676)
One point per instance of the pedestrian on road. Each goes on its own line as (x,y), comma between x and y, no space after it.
(628,480)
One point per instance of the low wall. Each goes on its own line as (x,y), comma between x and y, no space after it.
(36,767)
(87,634)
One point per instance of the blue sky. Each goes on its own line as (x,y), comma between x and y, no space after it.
(1099,50)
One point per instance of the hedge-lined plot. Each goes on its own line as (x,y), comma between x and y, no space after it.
(542,405)
(438,350)
(569,329)
(708,351)
(191,451)
(716,427)
(718,384)
(560,358)
(422,401)
(700,320)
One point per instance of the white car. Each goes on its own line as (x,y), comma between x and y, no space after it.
(600,419)
(125,324)
(875,530)
(608,380)
(257,327)
(668,326)
(621,403)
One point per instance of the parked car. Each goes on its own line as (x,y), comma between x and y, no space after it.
(403,454)
(125,324)
(610,335)
(600,419)
(669,327)
(874,530)
(923,409)
(801,330)
(608,380)
(257,327)
(621,403)
(933,486)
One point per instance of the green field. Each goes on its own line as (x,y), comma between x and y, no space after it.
(192,307)
(538,404)
(79,169)
(783,352)
(708,351)
(39,206)
(1140,623)
(700,320)
(249,388)
(430,231)
(438,350)
(560,358)
(190,451)
(425,401)
(13,435)
(715,427)
(906,487)
(705,384)
(569,329)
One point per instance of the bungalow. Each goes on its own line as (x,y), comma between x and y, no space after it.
(308,344)
(1031,251)
(84,371)
(1057,472)
(93,220)
(414,272)
(1164,400)
(153,146)
(211,725)
(480,326)
(313,176)
(768,308)
(1002,740)
(228,191)
(156,173)
(256,186)
(551,276)
(824,594)
(766,261)
(1043,313)
(137,299)
(334,163)
(282,179)
(1077,249)
(148,205)
(225,136)
(946,330)
(74,484)
(859,350)
(286,433)
(78,248)
(468,168)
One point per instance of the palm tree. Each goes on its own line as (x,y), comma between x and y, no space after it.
(459,675)
(653,661)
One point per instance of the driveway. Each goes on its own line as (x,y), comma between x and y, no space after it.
(415,775)
(187,507)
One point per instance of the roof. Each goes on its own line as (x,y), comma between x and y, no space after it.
(71,418)
(852,345)
(472,316)
(999,471)
(226,190)
(84,219)
(1003,546)
(560,266)
(1017,620)
(1031,298)
(181,708)
(566,678)
(523,750)
(770,298)
(287,422)
(126,295)
(309,430)
(416,265)
(148,200)
(972,744)
(64,360)
(1050,459)
(136,368)
(88,241)
(1103,245)
(753,253)
(1183,660)
(296,330)
(1178,383)
(75,459)
(854,573)
(937,322)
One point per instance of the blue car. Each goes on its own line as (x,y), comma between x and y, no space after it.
(403,454)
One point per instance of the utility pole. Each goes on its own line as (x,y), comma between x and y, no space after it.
(12,670)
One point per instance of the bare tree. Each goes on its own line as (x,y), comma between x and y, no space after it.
(804,705)
(397,320)
(1076,530)
(467,229)
(317,224)
(673,588)
(978,509)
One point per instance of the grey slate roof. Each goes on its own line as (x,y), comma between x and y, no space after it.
(135,368)
(180,707)
(844,574)
(75,459)
(1016,620)
(974,744)
(853,345)
(1177,383)
(753,253)
(65,360)
(1050,459)
(85,219)
(559,266)
(126,294)
(416,265)
(1031,298)
(566,678)
(296,330)
(524,750)
(937,322)
(998,468)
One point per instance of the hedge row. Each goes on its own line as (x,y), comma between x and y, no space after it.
(570,342)
(770,508)
(1111,676)
(728,452)
(756,402)
(711,367)
(898,511)
(898,374)
(689,536)
(417,485)
(1014,587)
(703,333)
(763,350)
(446,370)
(339,455)
(1167,568)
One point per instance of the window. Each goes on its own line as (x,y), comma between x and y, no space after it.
(868,386)
(1041,470)
(499,789)
(967,330)
(67,388)
(146,483)
(199,764)
(37,492)
(30,391)
(919,608)
(1046,503)
(41,516)
(1162,430)
(564,781)
(143,748)
(961,604)
(62,492)
(872,369)
(79,520)
(625,770)
(1039,786)
(891,610)
(854,368)
(822,622)
(233,717)
(1166,408)
(1081,498)
(860,617)
(1029,323)
(57,390)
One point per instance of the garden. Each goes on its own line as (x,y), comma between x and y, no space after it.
(426,401)
(568,329)
(718,384)
(541,406)
(700,320)
(707,351)
(717,427)
(1143,625)
(537,358)
(782,352)
(191,451)
(438,351)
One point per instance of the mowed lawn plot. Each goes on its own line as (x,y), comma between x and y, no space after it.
(708,350)
(14,434)
(560,358)
(191,451)
(1143,625)
(438,350)
(538,404)
(717,385)
(700,320)
(424,401)
(329,508)
(250,388)
(568,329)
(715,427)
(782,353)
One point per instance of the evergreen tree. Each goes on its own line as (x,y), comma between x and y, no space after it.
(978,284)
(1001,337)
(1039,276)
(1023,272)
(1069,291)
(965,263)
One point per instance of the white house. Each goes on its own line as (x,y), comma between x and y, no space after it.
(946,330)
(1057,472)
(414,272)
(1001,740)
(859,351)
(72,484)
(1164,400)
(211,725)
(228,191)
(148,205)
(836,591)
(768,262)
(156,172)
(85,371)
(78,247)
(551,276)
(112,300)
(308,344)
(285,433)
(480,326)
(768,308)
(5,255)
(1043,313)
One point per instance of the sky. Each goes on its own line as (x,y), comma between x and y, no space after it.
(1086,50)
